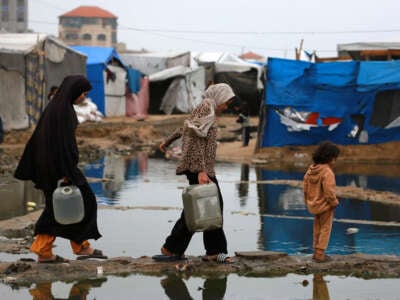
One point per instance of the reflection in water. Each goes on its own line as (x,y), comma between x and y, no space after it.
(243,186)
(78,291)
(115,170)
(137,166)
(113,173)
(19,198)
(320,288)
(286,224)
(175,288)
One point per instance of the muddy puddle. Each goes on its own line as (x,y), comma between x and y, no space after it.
(140,200)
(230,287)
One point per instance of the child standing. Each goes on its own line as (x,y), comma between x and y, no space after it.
(319,196)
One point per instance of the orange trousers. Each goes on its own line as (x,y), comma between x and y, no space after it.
(43,244)
(42,291)
(322,229)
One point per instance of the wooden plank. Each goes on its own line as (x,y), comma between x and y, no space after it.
(329,59)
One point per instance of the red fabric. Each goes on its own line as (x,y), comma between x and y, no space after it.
(331,120)
(313,119)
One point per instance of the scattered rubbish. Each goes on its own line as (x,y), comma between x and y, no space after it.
(352,230)
(99,271)
(31,204)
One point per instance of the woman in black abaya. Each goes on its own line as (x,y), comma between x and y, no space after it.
(52,154)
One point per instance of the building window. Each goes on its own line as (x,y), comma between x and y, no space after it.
(4,10)
(114,37)
(71,36)
(90,21)
(21,11)
(101,37)
(71,22)
(87,37)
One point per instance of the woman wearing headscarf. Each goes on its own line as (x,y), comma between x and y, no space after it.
(50,155)
(199,145)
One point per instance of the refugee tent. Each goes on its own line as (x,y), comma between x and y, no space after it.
(107,74)
(176,90)
(30,64)
(245,78)
(174,86)
(154,62)
(352,102)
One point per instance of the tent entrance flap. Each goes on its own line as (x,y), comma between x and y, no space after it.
(386,109)
(114,89)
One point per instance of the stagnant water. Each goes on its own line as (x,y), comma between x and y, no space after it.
(232,287)
(256,217)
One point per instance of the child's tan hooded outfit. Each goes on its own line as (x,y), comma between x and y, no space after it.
(319,195)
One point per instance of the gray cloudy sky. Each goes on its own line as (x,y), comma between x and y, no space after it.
(270,28)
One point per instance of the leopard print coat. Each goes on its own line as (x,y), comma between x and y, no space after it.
(198,153)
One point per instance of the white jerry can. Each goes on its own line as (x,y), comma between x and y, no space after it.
(201,206)
(68,204)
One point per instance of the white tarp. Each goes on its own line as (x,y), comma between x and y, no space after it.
(149,63)
(20,42)
(228,62)
(115,92)
(87,111)
(60,60)
(13,108)
(186,90)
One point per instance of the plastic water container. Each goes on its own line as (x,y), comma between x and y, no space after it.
(68,204)
(201,206)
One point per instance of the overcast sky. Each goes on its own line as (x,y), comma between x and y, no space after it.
(268,27)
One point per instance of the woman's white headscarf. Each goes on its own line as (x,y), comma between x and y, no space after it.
(215,95)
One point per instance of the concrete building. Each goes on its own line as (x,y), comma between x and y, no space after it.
(88,26)
(14,16)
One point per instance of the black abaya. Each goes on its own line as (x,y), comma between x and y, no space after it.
(52,153)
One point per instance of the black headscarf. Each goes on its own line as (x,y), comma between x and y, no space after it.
(52,152)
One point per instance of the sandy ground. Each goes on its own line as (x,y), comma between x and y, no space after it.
(127,136)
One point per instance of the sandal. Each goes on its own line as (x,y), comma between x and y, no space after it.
(56,260)
(325,258)
(96,254)
(220,258)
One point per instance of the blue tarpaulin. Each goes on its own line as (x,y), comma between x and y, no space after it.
(97,61)
(340,90)
(134,80)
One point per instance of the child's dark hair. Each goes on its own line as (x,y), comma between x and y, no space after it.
(325,153)
(53,91)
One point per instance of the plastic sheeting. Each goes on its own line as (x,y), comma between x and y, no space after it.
(87,111)
(30,64)
(333,90)
(185,91)
(115,92)
(150,63)
(137,105)
(98,58)
(134,77)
